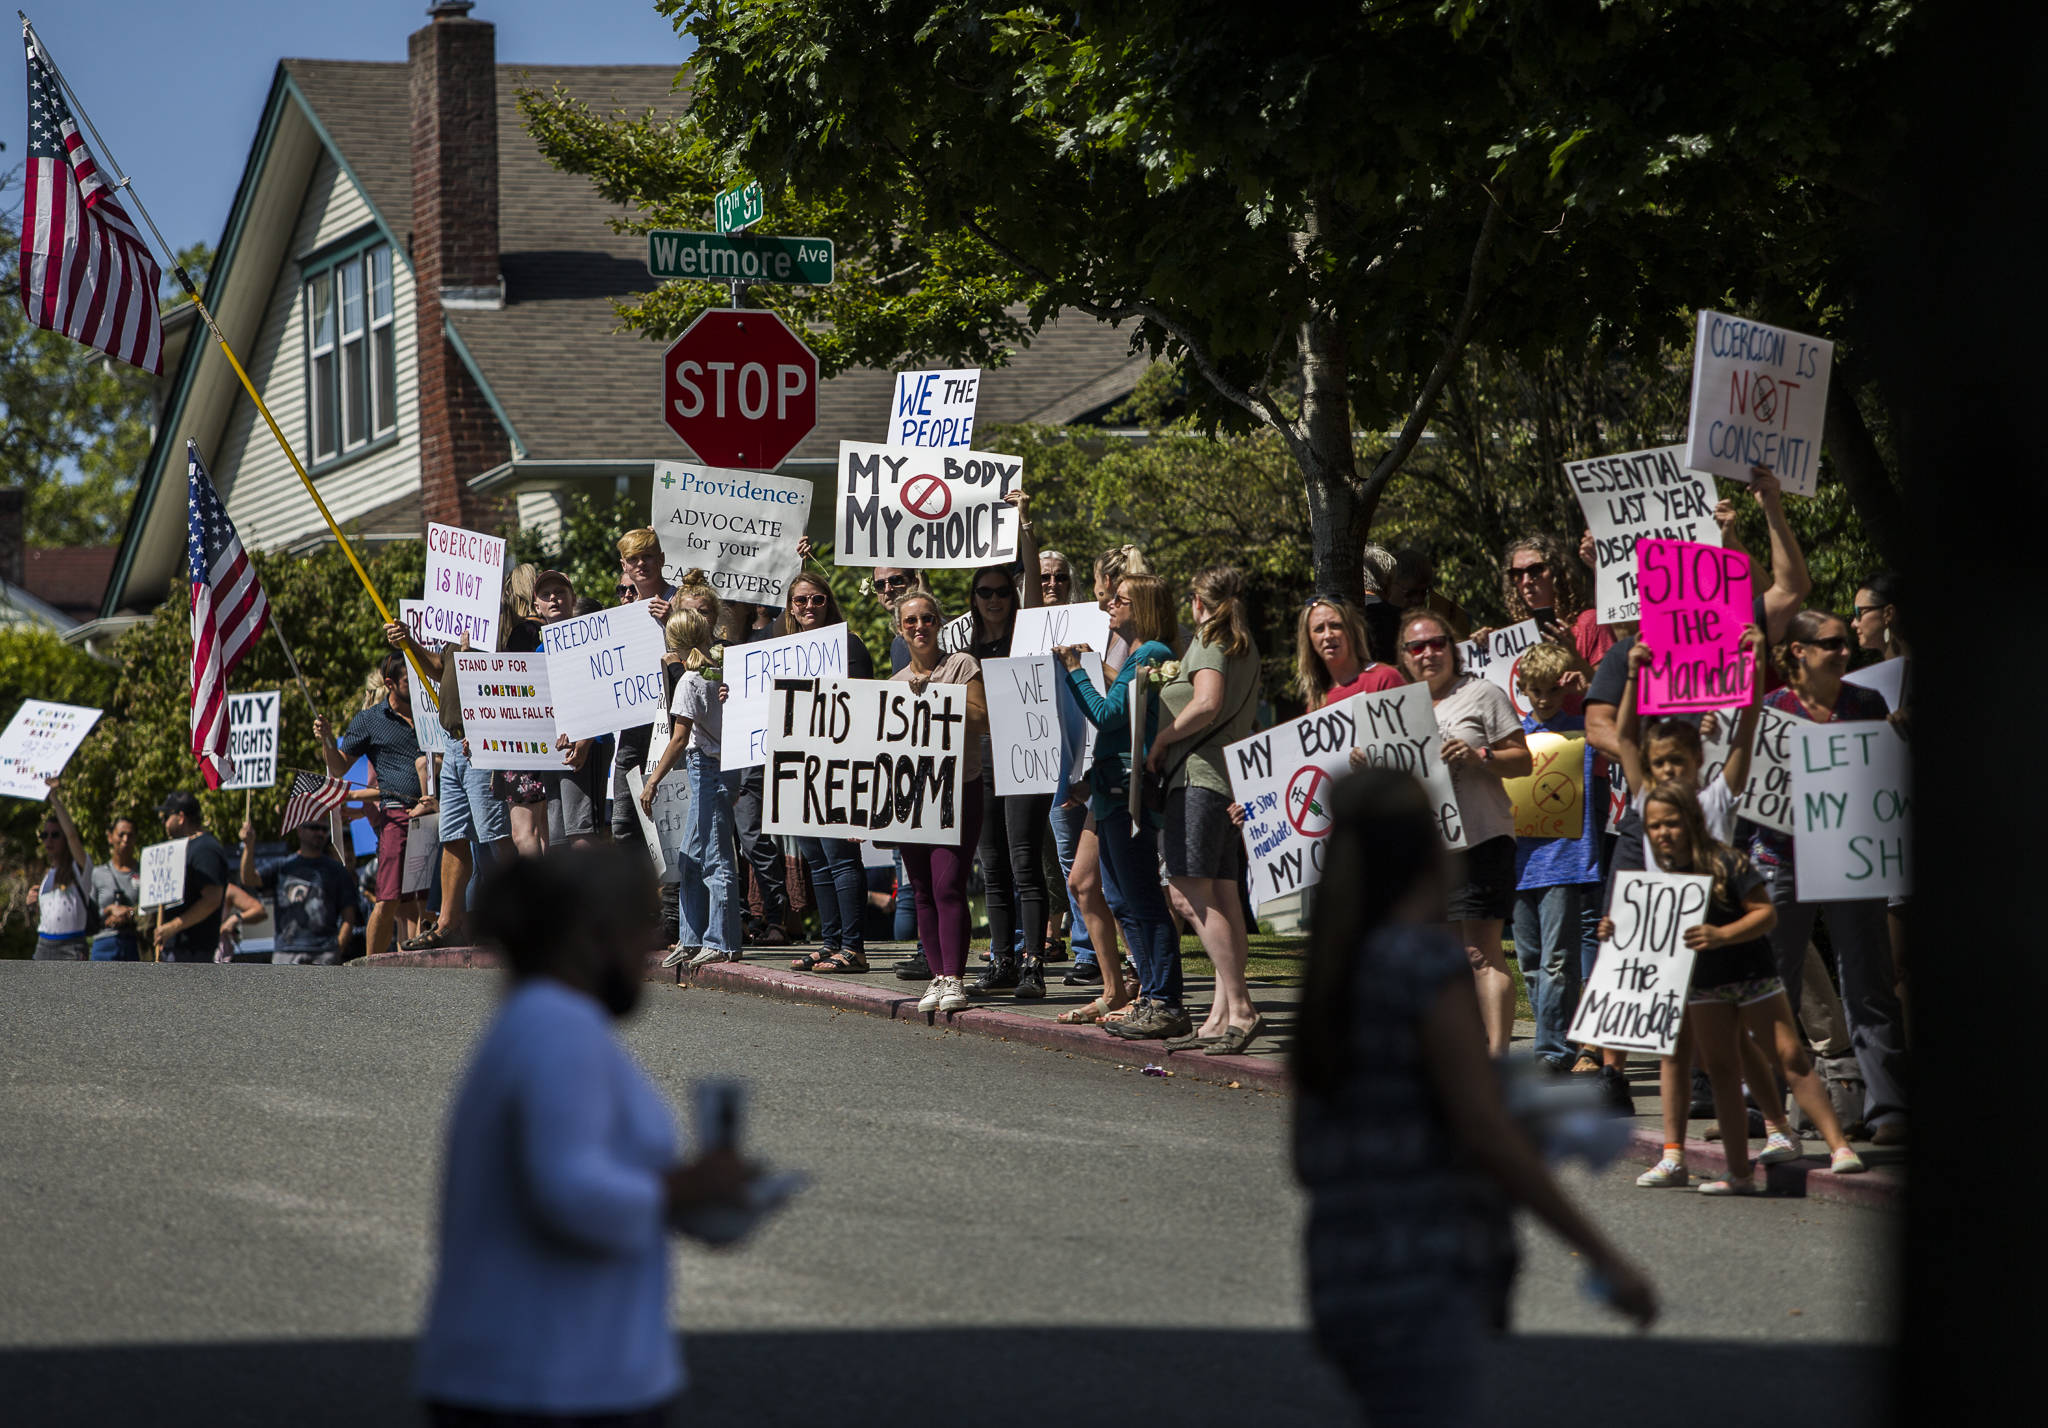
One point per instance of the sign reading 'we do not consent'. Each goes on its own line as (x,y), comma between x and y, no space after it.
(925,510)
(741,527)
(1636,996)
(1634,496)
(1695,605)
(866,758)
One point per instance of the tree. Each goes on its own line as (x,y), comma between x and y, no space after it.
(1315,215)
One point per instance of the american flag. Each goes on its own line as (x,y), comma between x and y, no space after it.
(228,616)
(313,797)
(85,271)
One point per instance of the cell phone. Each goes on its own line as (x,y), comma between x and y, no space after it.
(720,1110)
(1543,616)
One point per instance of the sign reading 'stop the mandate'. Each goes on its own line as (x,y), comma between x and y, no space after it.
(739,257)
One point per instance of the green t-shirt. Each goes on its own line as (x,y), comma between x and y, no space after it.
(1204,768)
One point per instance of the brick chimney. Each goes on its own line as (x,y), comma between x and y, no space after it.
(13,534)
(454,244)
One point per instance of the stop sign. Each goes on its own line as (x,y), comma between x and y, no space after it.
(740,388)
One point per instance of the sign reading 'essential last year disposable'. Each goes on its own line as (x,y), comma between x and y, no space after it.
(741,527)
(1630,497)
(1695,604)
(507,713)
(866,758)
(1759,398)
(1636,996)
(604,671)
(926,510)
(464,587)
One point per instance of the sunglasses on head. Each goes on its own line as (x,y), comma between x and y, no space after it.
(1833,642)
(1437,643)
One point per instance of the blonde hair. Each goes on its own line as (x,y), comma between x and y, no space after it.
(1310,674)
(787,624)
(696,586)
(686,630)
(1152,609)
(1547,663)
(911,596)
(1114,565)
(519,582)
(1221,588)
(637,543)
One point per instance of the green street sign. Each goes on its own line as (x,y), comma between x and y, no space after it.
(740,207)
(739,257)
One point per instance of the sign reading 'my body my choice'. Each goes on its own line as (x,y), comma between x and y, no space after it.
(1630,497)
(866,758)
(904,506)
(739,526)
(604,671)
(465,585)
(1695,604)
(1759,398)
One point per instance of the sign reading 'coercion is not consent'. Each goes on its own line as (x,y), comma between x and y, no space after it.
(866,758)
(1759,398)
(928,510)
(1695,605)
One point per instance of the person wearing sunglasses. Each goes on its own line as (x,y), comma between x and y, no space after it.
(1540,582)
(1878,626)
(1483,747)
(1814,658)
(60,900)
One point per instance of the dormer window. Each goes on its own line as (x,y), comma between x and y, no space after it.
(352,387)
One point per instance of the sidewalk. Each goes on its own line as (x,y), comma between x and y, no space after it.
(879,993)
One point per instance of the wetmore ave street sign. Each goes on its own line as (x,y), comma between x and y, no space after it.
(740,207)
(739,257)
(740,388)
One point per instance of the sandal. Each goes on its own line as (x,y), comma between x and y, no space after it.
(811,962)
(427,941)
(1087,1015)
(846,960)
(1235,1039)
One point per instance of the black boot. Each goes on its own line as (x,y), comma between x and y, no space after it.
(914,968)
(1030,980)
(998,976)
(1615,1091)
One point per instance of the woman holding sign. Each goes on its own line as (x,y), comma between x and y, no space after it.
(1483,747)
(938,875)
(61,901)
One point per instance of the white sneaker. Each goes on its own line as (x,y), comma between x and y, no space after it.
(954,997)
(934,990)
(1781,1145)
(1844,1161)
(735,955)
(1732,1185)
(1665,1172)
(677,955)
(707,955)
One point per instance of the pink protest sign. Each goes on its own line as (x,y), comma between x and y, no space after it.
(1695,604)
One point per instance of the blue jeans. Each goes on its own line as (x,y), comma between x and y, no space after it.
(117,946)
(1130,880)
(905,926)
(707,895)
(1066,833)
(842,888)
(1549,940)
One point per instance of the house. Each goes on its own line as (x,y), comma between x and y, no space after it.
(426,306)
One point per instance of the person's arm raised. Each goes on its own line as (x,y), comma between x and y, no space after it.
(1628,748)
(72,841)
(1033,593)
(1743,750)
(1791,583)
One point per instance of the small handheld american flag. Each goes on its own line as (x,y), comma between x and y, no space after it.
(228,616)
(313,797)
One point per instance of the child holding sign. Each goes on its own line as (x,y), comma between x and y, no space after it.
(1735,989)
(707,888)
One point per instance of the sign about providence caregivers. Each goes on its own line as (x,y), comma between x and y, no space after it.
(741,527)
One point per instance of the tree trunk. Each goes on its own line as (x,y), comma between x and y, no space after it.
(1329,462)
(1862,469)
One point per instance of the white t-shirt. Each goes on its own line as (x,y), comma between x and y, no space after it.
(61,911)
(1478,712)
(697,700)
(1717,801)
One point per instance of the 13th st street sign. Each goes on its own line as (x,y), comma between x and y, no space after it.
(739,258)
(739,207)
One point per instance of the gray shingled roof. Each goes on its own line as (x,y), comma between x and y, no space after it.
(574,387)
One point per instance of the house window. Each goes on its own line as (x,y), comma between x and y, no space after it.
(350,352)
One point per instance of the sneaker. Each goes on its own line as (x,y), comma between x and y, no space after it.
(735,955)
(1030,980)
(1665,1172)
(1782,1145)
(998,976)
(914,968)
(1731,1185)
(707,955)
(678,955)
(1084,974)
(1846,1162)
(954,997)
(1151,1021)
(1615,1092)
(929,1002)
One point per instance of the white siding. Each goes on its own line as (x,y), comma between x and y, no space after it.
(541,513)
(268,505)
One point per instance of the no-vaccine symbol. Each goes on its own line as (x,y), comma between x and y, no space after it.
(927,498)
(1308,802)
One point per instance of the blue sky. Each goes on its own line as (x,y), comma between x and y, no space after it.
(176,86)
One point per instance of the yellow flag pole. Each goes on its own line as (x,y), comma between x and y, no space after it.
(192,291)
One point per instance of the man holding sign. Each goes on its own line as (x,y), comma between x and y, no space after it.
(190,930)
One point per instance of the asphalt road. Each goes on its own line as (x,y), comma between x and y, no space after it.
(217,1193)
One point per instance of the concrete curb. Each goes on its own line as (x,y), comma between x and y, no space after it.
(1879,1188)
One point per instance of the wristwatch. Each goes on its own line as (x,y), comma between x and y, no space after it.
(1485,754)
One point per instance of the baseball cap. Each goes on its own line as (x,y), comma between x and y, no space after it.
(553,577)
(179,801)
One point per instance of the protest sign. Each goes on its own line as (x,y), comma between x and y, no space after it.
(917,509)
(604,671)
(1077,731)
(1767,795)
(422,843)
(662,832)
(1042,628)
(1283,775)
(1632,496)
(1024,722)
(1854,798)
(465,585)
(1635,999)
(1759,398)
(957,633)
(866,758)
(1887,677)
(161,883)
(40,740)
(1695,604)
(507,713)
(426,714)
(934,408)
(252,740)
(1494,658)
(750,674)
(739,527)
(1551,801)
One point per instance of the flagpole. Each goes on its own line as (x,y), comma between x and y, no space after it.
(192,291)
(292,660)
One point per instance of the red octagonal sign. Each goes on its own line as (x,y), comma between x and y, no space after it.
(740,388)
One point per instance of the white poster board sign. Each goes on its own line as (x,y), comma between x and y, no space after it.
(604,671)
(1077,732)
(1888,677)
(1767,797)
(508,715)
(426,715)
(40,739)
(924,510)
(1494,658)
(750,675)
(934,408)
(740,527)
(866,758)
(1759,398)
(252,740)
(1854,787)
(161,883)
(662,832)
(422,843)
(957,633)
(1039,629)
(1024,722)
(1635,998)
(1630,497)
(1283,777)
(465,586)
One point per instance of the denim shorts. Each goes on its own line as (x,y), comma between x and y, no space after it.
(468,809)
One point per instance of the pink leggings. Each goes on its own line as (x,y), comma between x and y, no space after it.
(938,882)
